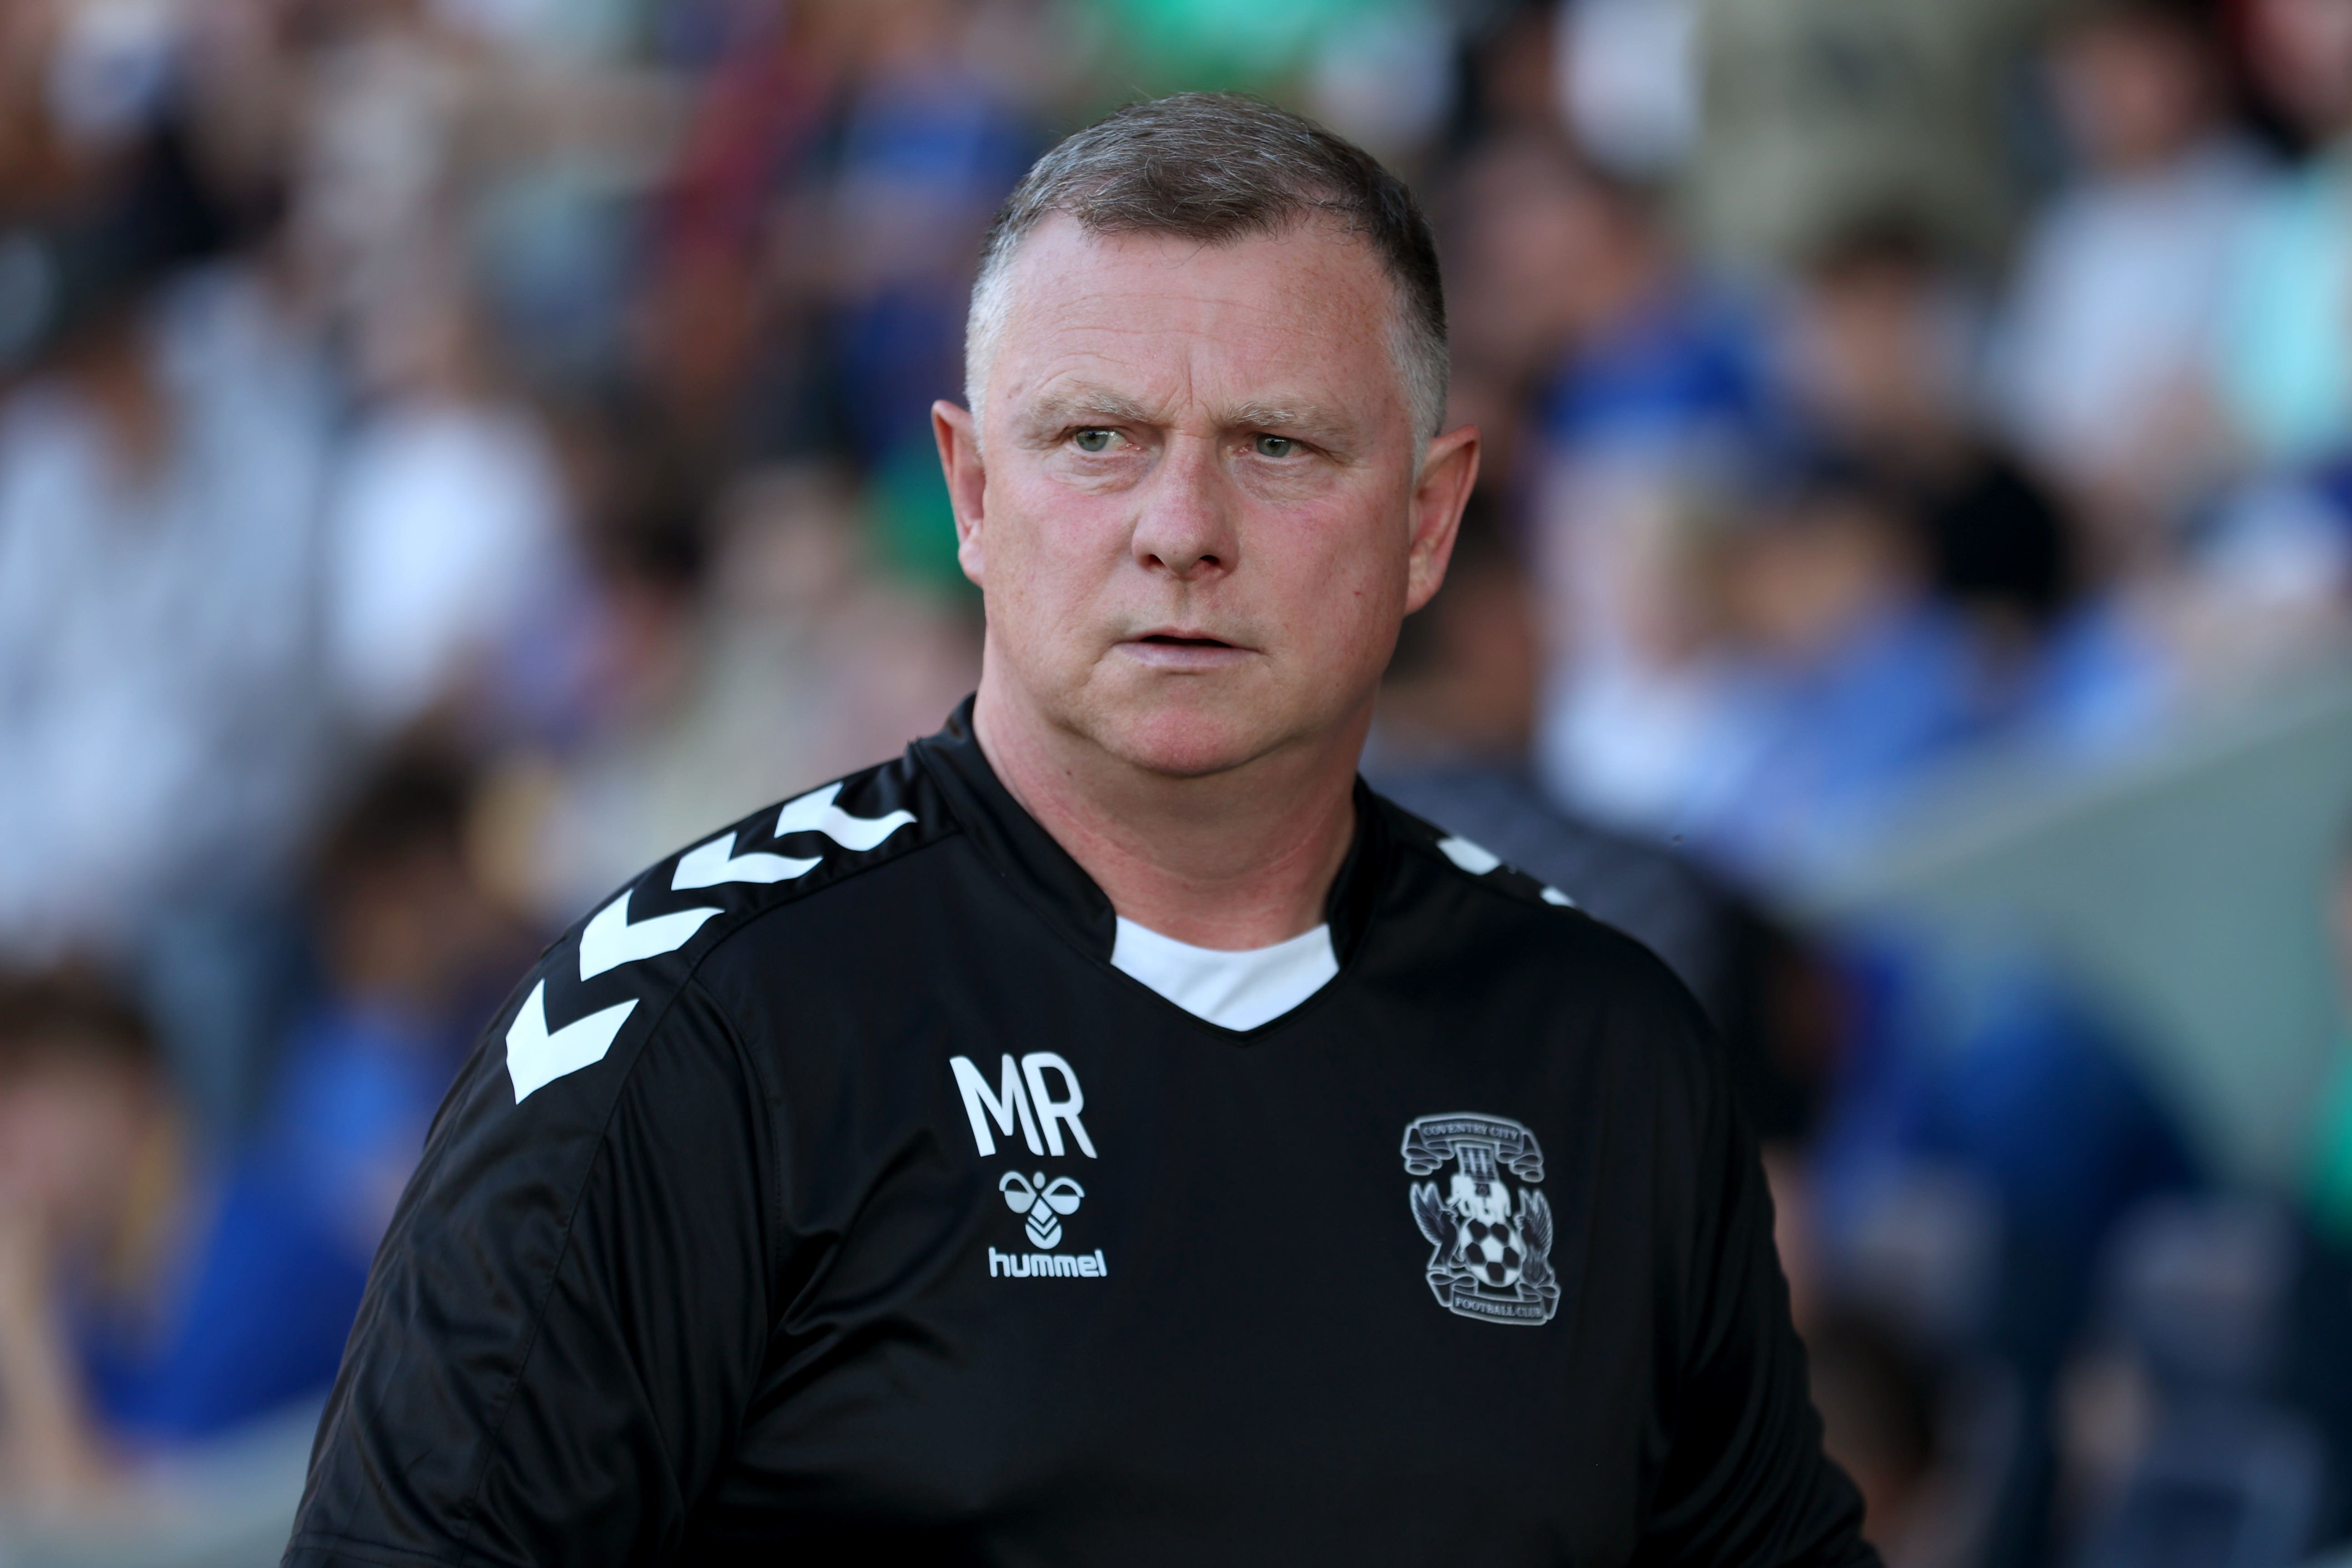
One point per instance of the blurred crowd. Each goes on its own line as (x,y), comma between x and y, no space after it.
(453,452)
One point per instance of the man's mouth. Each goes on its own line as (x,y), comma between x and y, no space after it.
(1184,648)
(1175,639)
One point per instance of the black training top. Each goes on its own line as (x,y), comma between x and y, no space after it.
(828,1194)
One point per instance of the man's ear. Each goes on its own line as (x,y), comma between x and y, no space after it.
(1448,474)
(967,477)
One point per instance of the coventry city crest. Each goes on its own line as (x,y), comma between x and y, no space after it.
(1491,1255)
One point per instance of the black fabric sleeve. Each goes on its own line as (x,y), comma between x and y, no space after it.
(567,1318)
(1745,1483)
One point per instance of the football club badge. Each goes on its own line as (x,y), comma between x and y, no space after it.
(1490,1245)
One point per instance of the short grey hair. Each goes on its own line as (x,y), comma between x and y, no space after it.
(1218,167)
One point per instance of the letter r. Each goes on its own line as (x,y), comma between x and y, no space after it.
(1050,1110)
(1001,1107)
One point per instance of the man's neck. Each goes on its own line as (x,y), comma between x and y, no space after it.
(1232,860)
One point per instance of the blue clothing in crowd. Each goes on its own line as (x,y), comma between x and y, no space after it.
(924,158)
(1835,744)
(1982,1062)
(1690,368)
(256,1313)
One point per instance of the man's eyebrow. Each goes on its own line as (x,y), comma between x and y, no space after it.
(1058,411)
(1315,420)
(1080,405)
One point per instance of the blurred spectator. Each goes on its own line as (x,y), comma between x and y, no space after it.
(1658,360)
(1644,435)
(730,326)
(1513,207)
(2285,372)
(149,1297)
(2107,348)
(1386,81)
(1796,678)
(1510,76)
(1774,691)
(926,147)
(1854,678)
(2214,1468)
(736,668)
(926,151)
(1986,1130)
(1629,83)
(449,216)
(1450,743)
(155,1294)
(821,225)
(464,154)
(159,700)
(1818,113)
(413,953)
(445,533)
(1981,1065)
(164,725)
(1638,714)
(1461,686)
(1882,358)
(77,1089)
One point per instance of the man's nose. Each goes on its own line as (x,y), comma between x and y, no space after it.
(1187,526)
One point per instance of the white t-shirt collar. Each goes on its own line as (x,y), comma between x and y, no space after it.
(1234,990)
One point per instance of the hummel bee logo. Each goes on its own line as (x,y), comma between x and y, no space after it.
(1488,1260)
(1044,1202)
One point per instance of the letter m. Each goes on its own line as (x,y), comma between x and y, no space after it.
(1008,1102)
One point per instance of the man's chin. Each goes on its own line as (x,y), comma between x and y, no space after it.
(1182,740)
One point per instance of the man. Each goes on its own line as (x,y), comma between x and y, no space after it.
(1107,1133)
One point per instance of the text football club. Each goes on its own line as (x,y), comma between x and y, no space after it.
(1490,1258)
(1023,1098)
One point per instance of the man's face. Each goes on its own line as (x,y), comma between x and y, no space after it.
(1198,521)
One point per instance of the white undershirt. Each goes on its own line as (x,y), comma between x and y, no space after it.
(1236,990)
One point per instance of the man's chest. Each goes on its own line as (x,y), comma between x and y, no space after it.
(1072,1279)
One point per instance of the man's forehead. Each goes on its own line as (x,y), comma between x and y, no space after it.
(1298,317)
(1309,250)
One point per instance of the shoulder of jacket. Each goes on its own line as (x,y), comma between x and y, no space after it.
(1606,950)
(606,983)
(1474,861)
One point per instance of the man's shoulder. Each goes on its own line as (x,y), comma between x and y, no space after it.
(1425,842)
(613,977)
(794,851)
(1539,923)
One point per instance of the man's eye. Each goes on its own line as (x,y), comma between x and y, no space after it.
(1093,440)
(1274,446)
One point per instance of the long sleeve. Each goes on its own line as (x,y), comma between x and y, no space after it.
(1745,1483)
(527,1383)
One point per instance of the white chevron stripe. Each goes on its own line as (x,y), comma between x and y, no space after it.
(611,941)
(815,813)
(535,1058)
(1475,858)
(711,864)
